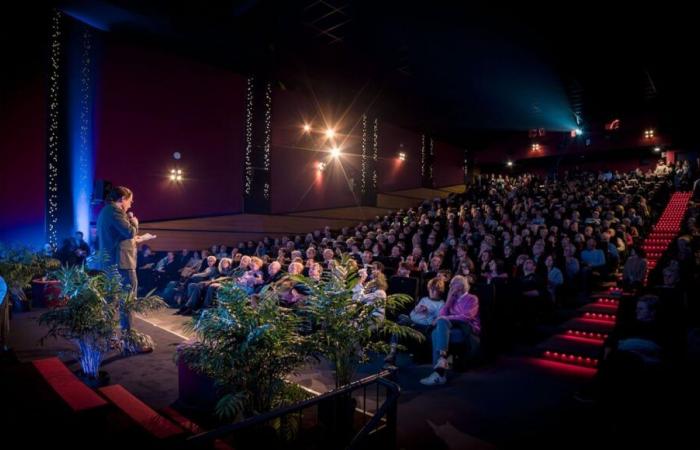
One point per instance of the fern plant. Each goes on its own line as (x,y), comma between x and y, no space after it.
(247,348)
(90,316)
(346,330)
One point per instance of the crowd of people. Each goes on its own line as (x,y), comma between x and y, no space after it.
(547,240)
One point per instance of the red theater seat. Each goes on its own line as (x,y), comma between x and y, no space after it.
(139,412)
(73,391)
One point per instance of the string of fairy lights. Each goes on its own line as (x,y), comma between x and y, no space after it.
(375,153)
(248,170)
(55,56)
(422,156)
(85,81)
(267,138)
(430,159)
(363,164)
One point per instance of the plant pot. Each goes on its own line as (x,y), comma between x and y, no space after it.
(195,391)
(101,381)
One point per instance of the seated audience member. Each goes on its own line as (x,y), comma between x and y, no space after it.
(422,316)
(315,271)
(146,259)
(458,319)
(196,284)
(371,289)
(253,277)
(533,296)
(634,271)
(629,352)
(495,271)
(274,273)
(226,271)
(555,279)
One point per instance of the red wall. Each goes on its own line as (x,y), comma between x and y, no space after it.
(151,104)
(22,145)
(394,174)
(297,185)
(448,164)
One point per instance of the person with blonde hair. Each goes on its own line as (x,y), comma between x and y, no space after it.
(458,320)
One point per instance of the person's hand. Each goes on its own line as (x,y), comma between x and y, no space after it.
(363,274)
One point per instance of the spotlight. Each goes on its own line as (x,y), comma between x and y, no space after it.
(509,164)
(330,133)
(172,171)
(172,177)
(179,172)
(307,128)
(657,149)
(578,131)
(649,133)
(321,166)
(335,152)
(535,147)
(402,156)
(178,177)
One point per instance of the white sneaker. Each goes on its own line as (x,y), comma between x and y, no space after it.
(442,363)
(434,379)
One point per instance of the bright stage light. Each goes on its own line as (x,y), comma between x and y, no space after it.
(335,152)
(321,166)
(402,156)
(307,128)
(509,164)
(330,133)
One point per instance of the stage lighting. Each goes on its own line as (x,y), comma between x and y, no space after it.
(321,166)
(175,174)
(649,133)
(509,164)
(535,147)
(578,131)
(330,133)
(657,149)
(335,152)
(402,156)
(307,128)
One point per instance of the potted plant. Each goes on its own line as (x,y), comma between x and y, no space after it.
(19,265)
(246,348)
(90,316)
(131,340)
(348,330)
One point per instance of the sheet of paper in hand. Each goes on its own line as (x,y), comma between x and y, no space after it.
(145,237)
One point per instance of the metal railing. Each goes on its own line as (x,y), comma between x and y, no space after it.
(358,415)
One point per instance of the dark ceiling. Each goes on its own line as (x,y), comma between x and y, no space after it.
(455,68)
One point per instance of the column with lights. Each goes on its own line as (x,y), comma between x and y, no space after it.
(69,145)
(368,162)
(258,141)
